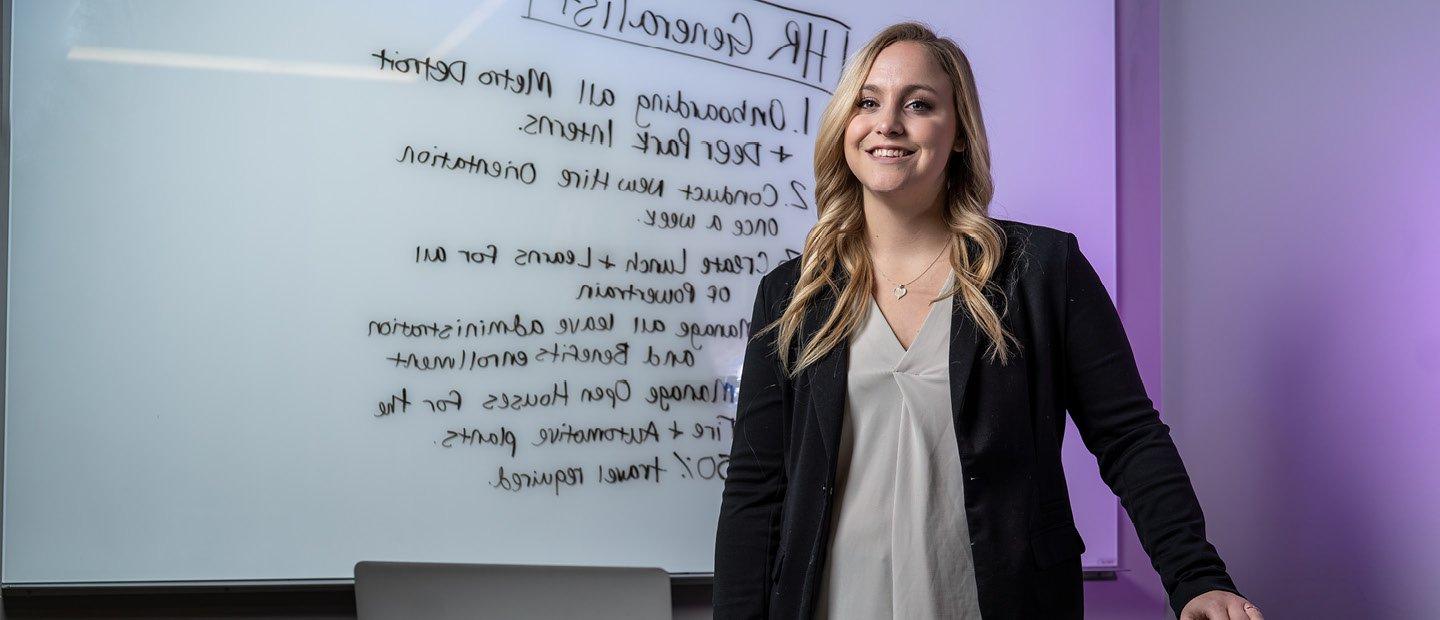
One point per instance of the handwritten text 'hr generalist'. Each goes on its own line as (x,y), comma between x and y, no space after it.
(664,123)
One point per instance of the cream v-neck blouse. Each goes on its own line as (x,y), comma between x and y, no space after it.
(899,543)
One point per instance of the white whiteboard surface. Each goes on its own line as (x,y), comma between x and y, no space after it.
(221,226)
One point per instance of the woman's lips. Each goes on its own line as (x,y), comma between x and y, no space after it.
(889,155)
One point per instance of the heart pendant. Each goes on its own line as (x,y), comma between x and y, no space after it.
(900,291)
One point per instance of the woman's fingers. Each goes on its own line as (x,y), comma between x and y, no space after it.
(1241,609)
(1220,605)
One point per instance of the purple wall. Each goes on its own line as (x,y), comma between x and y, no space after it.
(1301,207)
(1136,592)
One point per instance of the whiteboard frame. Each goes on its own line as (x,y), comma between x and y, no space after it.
(5,54)
(254,586)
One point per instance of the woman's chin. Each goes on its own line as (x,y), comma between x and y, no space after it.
(889,188)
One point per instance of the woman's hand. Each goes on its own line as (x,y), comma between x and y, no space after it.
(1220,605)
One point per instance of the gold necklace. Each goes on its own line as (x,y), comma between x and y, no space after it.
(900,289)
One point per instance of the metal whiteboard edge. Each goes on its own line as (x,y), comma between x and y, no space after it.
(6,18)
(280,585)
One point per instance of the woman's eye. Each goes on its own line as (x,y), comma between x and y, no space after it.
(917,105)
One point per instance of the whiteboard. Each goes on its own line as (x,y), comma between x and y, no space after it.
(284,295)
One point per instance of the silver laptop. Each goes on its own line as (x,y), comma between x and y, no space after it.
(427,591)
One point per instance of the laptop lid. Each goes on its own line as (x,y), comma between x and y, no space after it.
(422,590)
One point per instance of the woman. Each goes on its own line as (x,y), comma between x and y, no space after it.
(882,464)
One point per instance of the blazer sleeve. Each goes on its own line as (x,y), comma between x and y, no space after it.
(747,535)
(1120,426)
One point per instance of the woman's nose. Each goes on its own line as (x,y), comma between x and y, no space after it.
(888,124)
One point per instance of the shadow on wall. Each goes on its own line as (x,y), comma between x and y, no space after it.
(1308,499)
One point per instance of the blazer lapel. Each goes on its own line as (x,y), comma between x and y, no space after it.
(828,374)
(964,347)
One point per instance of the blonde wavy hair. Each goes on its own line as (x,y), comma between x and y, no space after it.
(839,238)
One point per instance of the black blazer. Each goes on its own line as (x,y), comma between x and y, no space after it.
(772,538)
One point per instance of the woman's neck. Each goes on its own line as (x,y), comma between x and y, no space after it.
(900,233)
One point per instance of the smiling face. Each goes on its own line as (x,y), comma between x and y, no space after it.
(903,130)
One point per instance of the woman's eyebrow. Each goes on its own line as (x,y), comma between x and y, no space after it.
(904,89)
